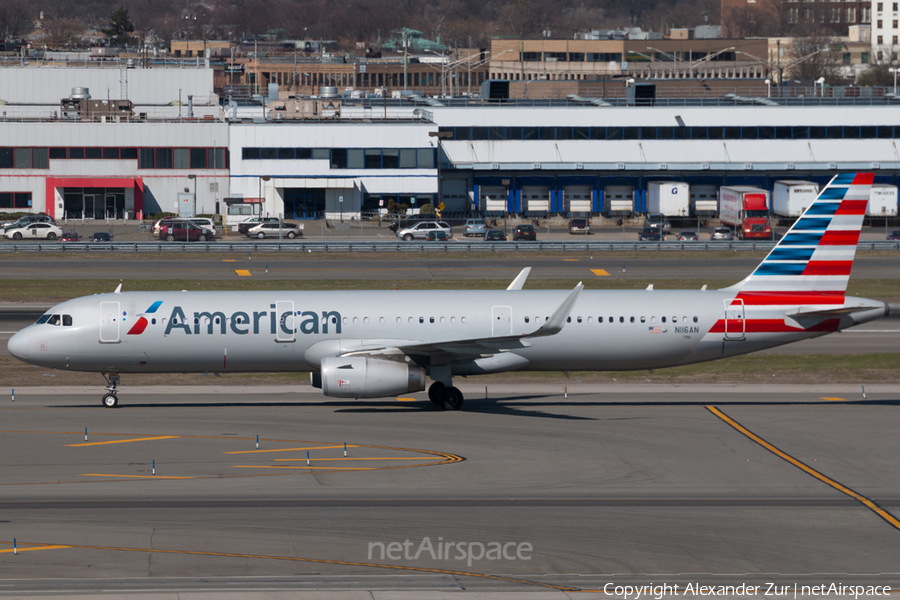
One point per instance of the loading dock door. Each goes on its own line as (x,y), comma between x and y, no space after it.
(493,198)
(577,199)
(536,198)
(455,194)
(619,200)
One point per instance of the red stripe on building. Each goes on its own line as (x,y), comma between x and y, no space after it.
(828,267)
(864,179)
(771,326)
(52,183)
(788,298)
(840,238)
(852,207)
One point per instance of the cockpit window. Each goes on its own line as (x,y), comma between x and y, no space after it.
(54,320)
(42,320)
(67,320)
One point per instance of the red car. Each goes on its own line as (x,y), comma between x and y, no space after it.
(183,231)
(69,236)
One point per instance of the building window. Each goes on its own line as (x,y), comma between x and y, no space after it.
(865,14)
(879,24)
(851,14)
(835,15)
(880,40)
(15,199)
(879,6)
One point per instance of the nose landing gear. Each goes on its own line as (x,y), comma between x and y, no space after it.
(110,400)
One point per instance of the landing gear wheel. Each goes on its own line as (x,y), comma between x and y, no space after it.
(110,400)
(435,392)
(452,398)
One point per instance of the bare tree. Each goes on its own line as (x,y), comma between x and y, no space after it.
(15,18)
(816,56)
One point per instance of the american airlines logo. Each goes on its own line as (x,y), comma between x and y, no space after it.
(255,322)
(141,324)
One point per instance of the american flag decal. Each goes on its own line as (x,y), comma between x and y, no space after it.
(655,329)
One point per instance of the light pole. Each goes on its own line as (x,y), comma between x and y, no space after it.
(194,178)
(261,199)
(672,55)
(821,83)
(894,71)
(768,88)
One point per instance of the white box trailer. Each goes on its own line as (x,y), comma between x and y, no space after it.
(671,198)
(882,201)
(790,197)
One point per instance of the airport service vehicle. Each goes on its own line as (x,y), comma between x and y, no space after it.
(745,209)
(651,234)
(34,231)
(420,230)
(688,236)
(657,220)
(373,344)
(264,230)
(525,232)
(580,226)
(882,201)
(245,226)
(475,227)
(721,234)
(671,198)
(790,197)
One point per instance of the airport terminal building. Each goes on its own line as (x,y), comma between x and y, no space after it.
(136,157)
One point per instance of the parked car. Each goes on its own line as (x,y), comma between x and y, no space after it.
(409,222)
(894,235)
(164,221)
(658,220)
(101,236)
(652,234)
(721,233)
(420,230)
(437,235)
(264,230)
(34,231)
(525,232)
(580,226)
(27,220)
(69,236)
(475,227)
(183,231)
(688,236)
(247,225)
(205,223)
(494,235)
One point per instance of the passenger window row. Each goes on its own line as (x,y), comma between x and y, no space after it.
(601,320)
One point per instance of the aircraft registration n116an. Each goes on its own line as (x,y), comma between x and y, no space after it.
(371,344)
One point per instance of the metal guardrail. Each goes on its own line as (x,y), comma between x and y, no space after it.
(348,246)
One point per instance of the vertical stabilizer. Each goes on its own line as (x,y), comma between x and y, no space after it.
(815,256)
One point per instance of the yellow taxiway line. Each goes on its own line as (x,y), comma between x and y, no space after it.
(868,503)
(242,272)
(146,439)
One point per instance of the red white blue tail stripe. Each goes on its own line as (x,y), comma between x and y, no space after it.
(812,262)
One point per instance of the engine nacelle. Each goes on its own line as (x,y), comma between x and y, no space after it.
(363,377)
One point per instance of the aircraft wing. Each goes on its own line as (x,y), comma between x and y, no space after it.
(475,347)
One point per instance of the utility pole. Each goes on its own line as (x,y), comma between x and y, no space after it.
(405,56)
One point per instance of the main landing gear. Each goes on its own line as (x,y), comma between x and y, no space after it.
(110,400)
(447,398)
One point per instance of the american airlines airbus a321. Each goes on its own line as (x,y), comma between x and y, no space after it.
(371,344)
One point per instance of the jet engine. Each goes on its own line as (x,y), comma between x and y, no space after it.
(364,377)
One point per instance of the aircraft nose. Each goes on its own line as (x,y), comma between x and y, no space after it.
(18,345)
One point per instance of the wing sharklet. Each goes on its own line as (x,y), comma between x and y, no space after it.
(519,282)
(556,322)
